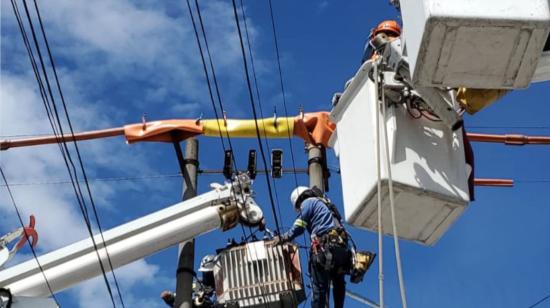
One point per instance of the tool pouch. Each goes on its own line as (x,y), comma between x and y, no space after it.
(361,263)
(334,254)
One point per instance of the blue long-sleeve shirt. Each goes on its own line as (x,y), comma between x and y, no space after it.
(314,216)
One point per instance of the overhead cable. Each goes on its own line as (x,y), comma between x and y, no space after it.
(258,96)
(251,97)
(207,76)
(282,86)
(540,301)
(16,208)
(79,156)
(56,125)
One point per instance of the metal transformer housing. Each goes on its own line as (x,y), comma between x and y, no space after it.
(259,274)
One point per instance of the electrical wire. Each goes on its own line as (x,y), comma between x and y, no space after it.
(28,240)
(215,80)
(277,53)
(205,69)
(258,96)
(220,103)
(281,80)
(255,80)
(540,301)
(59,129)
(253,105)
(79,156)
(251,97)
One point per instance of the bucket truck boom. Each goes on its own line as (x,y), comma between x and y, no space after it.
(222,207)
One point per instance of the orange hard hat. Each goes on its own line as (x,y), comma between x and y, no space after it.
(387,26)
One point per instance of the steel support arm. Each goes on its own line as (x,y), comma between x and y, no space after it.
(222,207)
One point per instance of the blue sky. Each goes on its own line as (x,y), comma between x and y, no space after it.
(119,60)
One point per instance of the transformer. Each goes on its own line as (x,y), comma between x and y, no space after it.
(259,274)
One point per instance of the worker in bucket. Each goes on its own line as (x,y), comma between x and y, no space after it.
(331,256)
(470,100)
(203,289)
(387,30)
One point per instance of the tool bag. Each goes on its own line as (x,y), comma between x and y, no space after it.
(332,253)
(337,254)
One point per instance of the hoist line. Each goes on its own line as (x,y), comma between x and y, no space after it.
(379,189)
(392,205)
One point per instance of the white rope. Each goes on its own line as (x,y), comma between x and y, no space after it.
(379,186)
(392,206)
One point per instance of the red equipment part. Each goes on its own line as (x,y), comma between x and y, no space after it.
(28,232)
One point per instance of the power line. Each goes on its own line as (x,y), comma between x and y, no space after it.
(276,41)
(222,108)
(251,97)
(281,80)
(140,177)
(219,99)
(258,96)
(28,240)
(540,301)
(88,189)
(63,146)
(205,69)
(207,76)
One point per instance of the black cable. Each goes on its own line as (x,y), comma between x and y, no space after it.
(282,86)
(277,53)
(28,240)
(207,76)
(258,96)
(540,301)
(80,160)
(46,103)
(251,97)
(63,146)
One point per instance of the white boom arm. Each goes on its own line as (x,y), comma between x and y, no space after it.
(223,207)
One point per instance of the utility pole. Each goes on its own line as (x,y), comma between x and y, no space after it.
(315,166)
(184,277)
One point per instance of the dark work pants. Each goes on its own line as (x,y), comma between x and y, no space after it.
(320,282)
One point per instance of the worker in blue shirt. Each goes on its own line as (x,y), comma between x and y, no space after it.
(330,255)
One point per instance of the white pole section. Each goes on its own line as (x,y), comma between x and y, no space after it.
(132,241)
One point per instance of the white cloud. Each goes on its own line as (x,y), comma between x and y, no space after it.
(116,60)
(93,293)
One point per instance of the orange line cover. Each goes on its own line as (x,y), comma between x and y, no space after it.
(315,128)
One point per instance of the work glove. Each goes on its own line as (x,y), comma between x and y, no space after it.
(279,240)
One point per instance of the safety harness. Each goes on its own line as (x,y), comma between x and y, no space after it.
(331,250)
